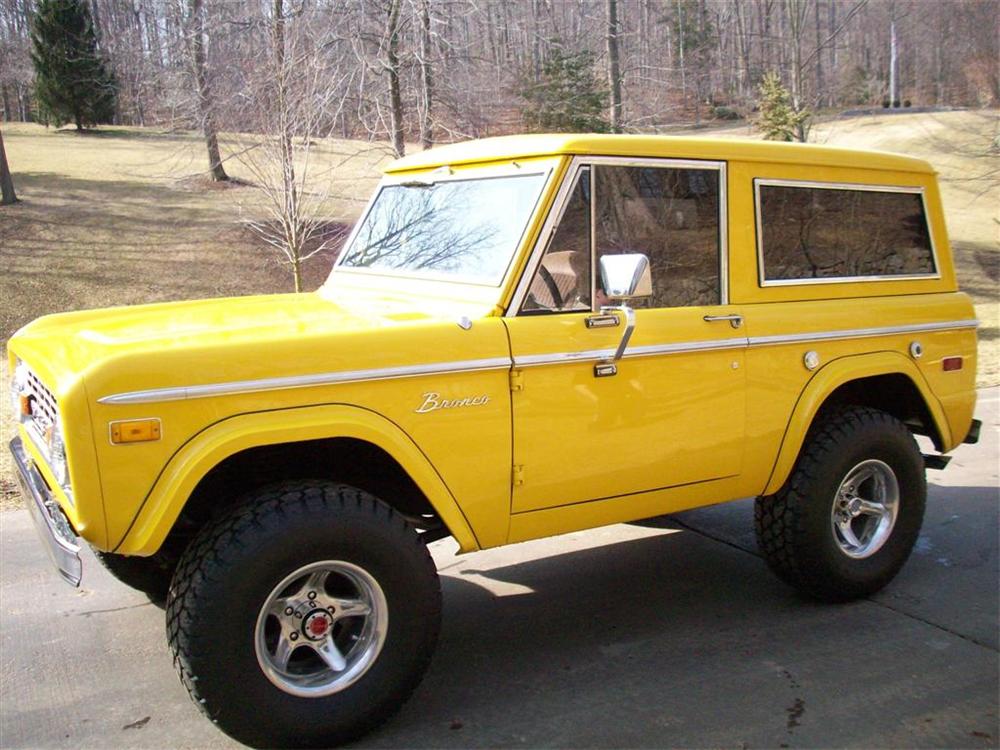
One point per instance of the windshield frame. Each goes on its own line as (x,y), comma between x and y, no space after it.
(443,174)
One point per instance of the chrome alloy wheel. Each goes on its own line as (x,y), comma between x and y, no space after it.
(321,628)
(865,509)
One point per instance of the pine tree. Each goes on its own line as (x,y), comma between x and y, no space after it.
(72,80)
(566,97)
(779,120)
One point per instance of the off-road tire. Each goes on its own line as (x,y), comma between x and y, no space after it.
(228,572)
(150,575)
(794,531)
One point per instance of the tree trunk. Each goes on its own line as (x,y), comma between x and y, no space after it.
(893,63)
(395,95)
(98,27)
(206,105)
(291,217)
(614,68)
(820,81)
(681,33)
(7,195)
(426,76)
(833,44)
(297,273)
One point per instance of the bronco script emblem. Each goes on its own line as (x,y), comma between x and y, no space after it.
(433,402)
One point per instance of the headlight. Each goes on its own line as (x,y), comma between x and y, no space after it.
(57,455)
(18,386)
(35,407)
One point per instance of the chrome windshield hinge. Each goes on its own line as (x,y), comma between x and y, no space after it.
(517,475)
(516,380)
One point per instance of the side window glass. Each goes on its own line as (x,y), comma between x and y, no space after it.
(837,233)
(672,216)
(562,282)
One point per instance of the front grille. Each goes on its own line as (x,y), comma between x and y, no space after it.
(43,404)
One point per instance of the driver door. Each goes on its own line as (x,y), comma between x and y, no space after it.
(672,413)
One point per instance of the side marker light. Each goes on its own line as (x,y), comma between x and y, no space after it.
(135,431)
(949,364)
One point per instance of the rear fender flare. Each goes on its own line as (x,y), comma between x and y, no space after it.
(824,382)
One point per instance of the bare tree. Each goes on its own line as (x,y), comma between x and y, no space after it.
(206,103)
(614,68)
(168,57)
(7,194)
(426,77)
(392,68)
(297,98)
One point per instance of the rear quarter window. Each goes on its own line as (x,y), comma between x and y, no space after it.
(818,233)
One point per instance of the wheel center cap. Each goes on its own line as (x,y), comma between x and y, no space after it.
(854,507)
(317,625)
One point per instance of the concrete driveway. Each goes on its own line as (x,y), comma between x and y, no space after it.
(668,634)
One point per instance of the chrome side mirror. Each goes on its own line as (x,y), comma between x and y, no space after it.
(623,277)
(626,276)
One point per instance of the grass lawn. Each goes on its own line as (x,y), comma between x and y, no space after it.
(120,216)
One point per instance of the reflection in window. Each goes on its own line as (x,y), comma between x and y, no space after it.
(672,216)
(466,229)
(562,281)
(816,233)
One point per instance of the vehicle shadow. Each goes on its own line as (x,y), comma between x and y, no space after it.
(667,640)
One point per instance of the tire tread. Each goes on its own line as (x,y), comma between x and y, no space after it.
(204,562)
(780,519)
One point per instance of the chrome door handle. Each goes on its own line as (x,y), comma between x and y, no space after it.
(734,320)
(604,320)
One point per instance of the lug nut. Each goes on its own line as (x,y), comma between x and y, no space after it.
(288,610)
(299,615)
(331,610)
(294,636)
(312,594)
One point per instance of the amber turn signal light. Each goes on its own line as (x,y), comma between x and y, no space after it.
(135,431)
(25,402)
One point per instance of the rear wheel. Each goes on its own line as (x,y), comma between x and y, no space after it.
(305,617)
(848,516)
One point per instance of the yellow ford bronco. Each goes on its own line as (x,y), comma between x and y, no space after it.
(522,337)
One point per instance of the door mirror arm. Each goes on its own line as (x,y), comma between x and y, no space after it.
(628,314)
(623,277)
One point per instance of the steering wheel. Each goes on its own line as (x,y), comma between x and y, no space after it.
(546,276)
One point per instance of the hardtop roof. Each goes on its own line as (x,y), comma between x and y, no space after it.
(505,148)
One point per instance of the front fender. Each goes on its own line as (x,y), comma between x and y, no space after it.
(825,381)
(229,436)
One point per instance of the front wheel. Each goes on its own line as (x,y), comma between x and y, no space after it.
(305,617)
(848,516)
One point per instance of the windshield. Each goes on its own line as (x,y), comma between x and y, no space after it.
(460,230)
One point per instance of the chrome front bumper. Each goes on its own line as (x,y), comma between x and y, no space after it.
(57,535)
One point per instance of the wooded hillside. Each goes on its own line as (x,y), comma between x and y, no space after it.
(435,70)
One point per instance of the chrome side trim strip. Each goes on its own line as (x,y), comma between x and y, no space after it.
(182,393)
(791,338)
(556,358)
(303,381)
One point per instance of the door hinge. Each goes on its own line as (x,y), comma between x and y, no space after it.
(517,475)
(516,380)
